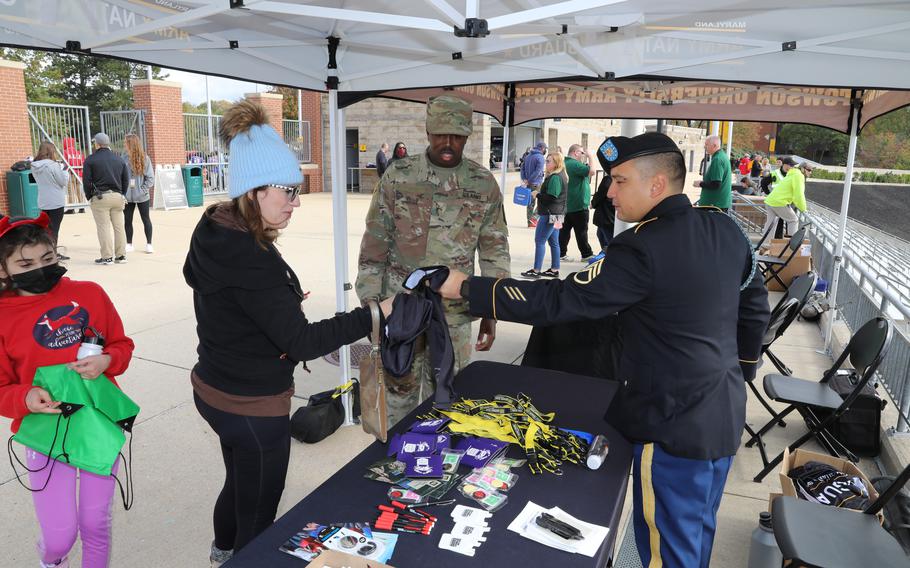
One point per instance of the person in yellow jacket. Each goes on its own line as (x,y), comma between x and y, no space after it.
(791,191)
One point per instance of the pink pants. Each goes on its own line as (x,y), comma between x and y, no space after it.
(63,513)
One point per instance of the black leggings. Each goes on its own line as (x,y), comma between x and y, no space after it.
(56,218)
(146,220)
(256,451)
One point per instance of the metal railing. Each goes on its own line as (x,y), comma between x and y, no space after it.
(203,148)
(862,294)
(67,128)
(297,141)
(887,256)
(868,287)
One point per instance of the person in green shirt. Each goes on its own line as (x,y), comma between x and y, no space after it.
(717,185)
(789,193)
(578,203)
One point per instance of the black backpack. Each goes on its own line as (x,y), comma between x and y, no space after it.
(859,428)
(21,166)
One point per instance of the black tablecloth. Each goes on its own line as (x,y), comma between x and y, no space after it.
(592,496)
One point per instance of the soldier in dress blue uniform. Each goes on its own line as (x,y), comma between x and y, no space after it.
(692,318)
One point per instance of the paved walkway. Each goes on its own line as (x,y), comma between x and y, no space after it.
(177,464)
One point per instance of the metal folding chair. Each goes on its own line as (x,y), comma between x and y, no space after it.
(866,350)
(771,266)
(781,317)
(800,289)
(811,534)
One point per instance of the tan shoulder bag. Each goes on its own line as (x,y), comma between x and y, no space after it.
(373,412)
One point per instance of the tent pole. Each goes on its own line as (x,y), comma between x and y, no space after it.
(729,138)
(630,127)
(505,147)
(845,203)
(300,118)
(340,233)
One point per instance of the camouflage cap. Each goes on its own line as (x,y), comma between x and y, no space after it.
(447,114)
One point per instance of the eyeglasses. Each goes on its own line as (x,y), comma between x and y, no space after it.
(291,191)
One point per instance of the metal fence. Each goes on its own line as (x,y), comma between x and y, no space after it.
(298,140)
(118,123)
(203,148)
(861,295)
(67,128)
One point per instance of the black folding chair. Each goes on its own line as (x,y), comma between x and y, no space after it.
(781,317)
(811,534)
(866,350)
(799,290)
(771,266)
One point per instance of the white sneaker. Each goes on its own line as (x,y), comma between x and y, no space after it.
(129,247)
(149,249)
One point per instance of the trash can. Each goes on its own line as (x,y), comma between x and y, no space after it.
(23,194)
(192,181)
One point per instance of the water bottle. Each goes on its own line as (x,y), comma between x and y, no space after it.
(91,344)
(597,451)
(763,551)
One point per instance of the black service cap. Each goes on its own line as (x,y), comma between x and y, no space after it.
(618,149)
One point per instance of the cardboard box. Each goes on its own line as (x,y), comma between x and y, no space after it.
(802,457)
(800,264)
(771,497)
(336,559)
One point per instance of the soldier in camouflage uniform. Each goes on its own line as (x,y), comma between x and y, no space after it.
(434,208)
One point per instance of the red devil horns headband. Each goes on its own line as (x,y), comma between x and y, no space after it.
(7,224)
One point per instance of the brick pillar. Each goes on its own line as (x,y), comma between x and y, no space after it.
(161,101)
(16,139)
(272,103)
(312,113)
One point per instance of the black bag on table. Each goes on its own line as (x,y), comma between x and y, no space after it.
(859,428)
(323,414)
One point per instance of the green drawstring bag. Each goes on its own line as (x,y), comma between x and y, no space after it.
(88,433)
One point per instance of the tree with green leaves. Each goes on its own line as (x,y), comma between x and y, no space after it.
(97,82)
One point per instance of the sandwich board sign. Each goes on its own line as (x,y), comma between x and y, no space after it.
(170,192)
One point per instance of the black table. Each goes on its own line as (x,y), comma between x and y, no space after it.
(592,496)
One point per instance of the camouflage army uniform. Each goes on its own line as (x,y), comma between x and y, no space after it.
(417,218)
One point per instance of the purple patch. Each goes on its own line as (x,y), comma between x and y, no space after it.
(479,451)
(428,426)
(417,444)
(394,445)
(423,466)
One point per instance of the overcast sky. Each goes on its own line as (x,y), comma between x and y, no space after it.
(194,87)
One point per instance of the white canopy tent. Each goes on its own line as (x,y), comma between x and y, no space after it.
(371,46)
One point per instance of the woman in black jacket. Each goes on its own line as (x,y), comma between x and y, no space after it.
(551,207)
(252,331)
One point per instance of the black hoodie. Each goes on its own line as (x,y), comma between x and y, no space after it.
(252,330)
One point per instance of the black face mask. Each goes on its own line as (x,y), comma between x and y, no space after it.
(40,280)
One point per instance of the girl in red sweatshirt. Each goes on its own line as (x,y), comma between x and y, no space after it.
(42,318)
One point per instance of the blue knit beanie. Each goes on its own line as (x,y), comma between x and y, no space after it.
(258,156)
